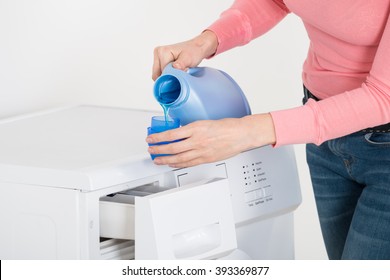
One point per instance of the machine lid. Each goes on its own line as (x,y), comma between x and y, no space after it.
(83,147)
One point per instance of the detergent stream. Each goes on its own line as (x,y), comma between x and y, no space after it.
(166,112)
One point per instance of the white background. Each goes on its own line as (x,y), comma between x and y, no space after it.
(58,53)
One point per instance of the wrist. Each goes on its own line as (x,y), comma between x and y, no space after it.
(208,42)
(261,130)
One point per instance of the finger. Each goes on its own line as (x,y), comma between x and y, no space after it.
(162,56)
(156,70)
(188,159)
(168,136)
(178,159)
(190,163)
(184,61)
(166,55)
(172,148)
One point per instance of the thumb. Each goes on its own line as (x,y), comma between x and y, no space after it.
(178,64)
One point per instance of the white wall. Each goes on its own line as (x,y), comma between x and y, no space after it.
(57,53)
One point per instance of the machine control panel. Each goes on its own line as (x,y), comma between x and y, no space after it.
(257,187)
(263,182)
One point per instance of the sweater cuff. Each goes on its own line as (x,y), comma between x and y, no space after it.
(295,126)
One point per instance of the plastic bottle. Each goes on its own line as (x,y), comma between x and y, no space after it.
(201,93)
(160,124)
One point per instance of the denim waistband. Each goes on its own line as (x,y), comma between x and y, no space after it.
(380,128)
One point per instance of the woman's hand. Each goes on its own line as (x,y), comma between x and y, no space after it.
(210,141)
(185,54)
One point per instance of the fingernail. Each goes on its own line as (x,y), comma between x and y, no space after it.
(148,140)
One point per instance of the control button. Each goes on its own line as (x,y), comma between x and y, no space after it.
(250,196)
(259,193)
(267,191)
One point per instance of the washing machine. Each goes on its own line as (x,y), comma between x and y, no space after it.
(78,183)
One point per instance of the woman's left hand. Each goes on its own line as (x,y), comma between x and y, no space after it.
(212,140)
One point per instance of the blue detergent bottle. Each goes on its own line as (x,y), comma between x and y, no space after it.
(201,93)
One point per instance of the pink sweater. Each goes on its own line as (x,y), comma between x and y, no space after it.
(348,63)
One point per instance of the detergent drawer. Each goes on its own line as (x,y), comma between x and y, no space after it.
(117,210)
(117,215)
(194,221)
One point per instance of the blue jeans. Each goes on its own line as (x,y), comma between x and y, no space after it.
(351,182)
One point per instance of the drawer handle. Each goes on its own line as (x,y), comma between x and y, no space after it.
(197,241)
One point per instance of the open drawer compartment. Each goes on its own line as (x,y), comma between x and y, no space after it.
(194,221)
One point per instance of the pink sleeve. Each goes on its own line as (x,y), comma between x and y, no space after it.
(342,114)
(246,20)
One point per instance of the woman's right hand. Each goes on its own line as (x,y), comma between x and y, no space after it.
(185,54)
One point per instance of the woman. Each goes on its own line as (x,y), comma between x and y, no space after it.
(344,120)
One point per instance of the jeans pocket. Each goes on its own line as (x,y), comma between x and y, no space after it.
(378,138)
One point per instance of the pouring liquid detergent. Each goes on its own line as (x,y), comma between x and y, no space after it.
(201,93)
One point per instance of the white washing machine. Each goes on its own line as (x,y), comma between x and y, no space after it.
(78,183)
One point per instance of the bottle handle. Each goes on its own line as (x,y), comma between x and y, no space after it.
(170,69)
(192,71)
